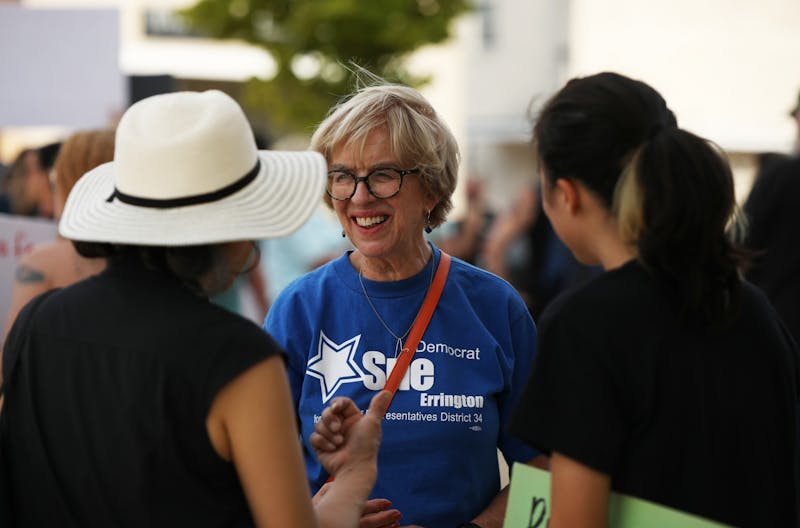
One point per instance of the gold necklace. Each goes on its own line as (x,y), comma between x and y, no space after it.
(398,344)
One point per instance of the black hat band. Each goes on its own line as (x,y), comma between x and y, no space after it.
(188,200)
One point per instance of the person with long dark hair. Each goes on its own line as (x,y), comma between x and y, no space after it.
(667,377)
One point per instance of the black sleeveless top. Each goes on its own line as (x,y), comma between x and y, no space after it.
(107,406)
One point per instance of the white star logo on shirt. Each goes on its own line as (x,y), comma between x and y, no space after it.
(334,365)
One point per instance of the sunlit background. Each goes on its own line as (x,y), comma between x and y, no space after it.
(728,68)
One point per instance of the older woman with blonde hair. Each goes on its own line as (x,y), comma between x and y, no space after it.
(392,169)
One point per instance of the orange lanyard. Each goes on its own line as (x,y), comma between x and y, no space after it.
(420,324)
(417,329)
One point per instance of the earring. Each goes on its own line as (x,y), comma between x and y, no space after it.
(343,235)
(250,266)
(428,227)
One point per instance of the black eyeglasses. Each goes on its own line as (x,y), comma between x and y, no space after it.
(382,182)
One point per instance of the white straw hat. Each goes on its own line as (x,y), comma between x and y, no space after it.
(186,171)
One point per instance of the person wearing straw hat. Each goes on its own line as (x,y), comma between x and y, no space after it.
(392,169)
(130,399)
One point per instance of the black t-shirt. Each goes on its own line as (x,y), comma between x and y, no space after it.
(701,422)
(773,211)
(107,407)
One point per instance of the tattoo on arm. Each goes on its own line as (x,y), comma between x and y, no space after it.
(28,275)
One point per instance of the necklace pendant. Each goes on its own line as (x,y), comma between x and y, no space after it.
(398,346)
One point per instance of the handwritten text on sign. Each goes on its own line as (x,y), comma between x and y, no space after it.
(529,505)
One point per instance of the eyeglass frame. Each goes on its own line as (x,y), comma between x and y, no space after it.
(365,179)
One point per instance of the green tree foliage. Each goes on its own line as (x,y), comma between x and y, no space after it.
(312,41)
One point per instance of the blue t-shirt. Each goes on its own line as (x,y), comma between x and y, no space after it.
(438,457)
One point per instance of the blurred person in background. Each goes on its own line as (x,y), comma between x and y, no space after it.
(794,113)
(29,188)
(287,258)
(56,264)
(667,377)
(130,398)
(522,247)
(464,238)
(315,243)
(392,169)
(5,204)
(773,213)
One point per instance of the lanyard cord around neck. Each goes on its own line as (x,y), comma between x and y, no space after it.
(398,339)
(417,329)
(420,324)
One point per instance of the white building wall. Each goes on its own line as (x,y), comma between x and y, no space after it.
(518,55)
(517,49)
(728,68)
(141,54)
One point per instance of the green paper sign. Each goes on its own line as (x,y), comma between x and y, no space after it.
(529,506)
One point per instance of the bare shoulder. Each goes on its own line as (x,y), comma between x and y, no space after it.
(35,265)
(56,263)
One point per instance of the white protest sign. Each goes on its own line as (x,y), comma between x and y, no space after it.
(18,235)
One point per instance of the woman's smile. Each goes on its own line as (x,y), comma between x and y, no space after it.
(369,222)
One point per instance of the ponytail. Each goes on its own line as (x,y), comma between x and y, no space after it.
(686,193)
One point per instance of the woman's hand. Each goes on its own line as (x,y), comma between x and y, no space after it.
(376,514)
(345,438)
(346,442)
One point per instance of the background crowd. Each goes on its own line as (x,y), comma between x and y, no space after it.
(516,242)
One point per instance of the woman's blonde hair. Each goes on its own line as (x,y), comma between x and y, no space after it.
(417,135)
